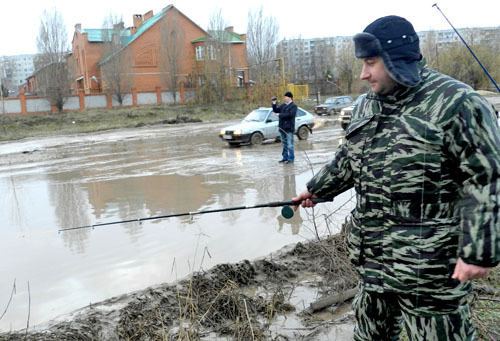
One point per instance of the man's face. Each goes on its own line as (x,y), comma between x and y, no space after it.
(286,99)
(375,73)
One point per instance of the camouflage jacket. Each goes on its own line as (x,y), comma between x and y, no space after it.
(425,164)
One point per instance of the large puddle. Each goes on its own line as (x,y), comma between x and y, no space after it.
(56,183)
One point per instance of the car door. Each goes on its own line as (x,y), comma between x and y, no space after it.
(299,118)
(271,129)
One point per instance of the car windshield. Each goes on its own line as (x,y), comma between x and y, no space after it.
(332,100)
(256,116)
(359,99)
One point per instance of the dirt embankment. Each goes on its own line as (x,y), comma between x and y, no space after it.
(257,300)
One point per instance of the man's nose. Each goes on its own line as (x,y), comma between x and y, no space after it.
(365,74)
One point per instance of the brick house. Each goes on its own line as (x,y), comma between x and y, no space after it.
(155,45)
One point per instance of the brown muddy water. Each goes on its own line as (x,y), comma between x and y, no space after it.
(55,183)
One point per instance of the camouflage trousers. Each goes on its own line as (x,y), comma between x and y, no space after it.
(382,316)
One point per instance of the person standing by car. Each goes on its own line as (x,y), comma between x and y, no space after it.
(422,154)
(286,113)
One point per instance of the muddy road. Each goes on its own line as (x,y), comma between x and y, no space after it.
(55,183)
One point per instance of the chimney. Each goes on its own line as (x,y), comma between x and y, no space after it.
(137,20)
(78,27)
(132,30)
(118,26)
(148,15)
(229,29)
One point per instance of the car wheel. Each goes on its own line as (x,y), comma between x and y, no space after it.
(332,112)
(303,133)
(256,138)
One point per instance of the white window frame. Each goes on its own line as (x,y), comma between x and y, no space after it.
(201,80)
(211,52)
(200,53)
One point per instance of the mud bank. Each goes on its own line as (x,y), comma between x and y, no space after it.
(266,299)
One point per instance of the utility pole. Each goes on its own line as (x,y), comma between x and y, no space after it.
(282,66)
(437,58)
(2,74)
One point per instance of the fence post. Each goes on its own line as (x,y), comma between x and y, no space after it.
(22,99)
(109,100)
(134,97)
(81,99)
(181,91)
(158,95)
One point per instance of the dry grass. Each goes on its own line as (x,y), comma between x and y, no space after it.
(18,127)
(486,307)
(221,303)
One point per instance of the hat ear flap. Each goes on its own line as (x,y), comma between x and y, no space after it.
(403,72)
(366,45)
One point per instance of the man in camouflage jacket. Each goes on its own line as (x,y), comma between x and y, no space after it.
(423,154)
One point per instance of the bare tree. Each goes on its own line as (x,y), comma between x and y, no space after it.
(430,49)
(7,68)
(116,61)
(326,64)
(265,68)
(216,68)
(52,71)
(172,37)
(348,67)
(456,61)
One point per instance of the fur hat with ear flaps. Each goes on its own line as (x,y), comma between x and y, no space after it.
(394,39)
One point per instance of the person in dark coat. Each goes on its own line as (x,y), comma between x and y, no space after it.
(286,113)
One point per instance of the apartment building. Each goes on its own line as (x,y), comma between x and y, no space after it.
(476,35)
(309,60)
(14,70)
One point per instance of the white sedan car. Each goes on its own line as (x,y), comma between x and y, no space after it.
(262,124)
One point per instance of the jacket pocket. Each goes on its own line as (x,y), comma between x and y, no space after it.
(423,252)
(357,124)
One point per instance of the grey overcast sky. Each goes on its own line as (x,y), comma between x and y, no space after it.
(297,19)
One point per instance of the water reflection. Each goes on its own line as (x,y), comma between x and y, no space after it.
(111,178)
(124,199)
(289,192)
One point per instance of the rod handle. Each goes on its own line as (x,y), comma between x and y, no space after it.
(293,203)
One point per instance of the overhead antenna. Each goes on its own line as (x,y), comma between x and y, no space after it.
(470,50)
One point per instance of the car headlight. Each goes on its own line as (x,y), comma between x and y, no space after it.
(237,132)
(342,112)
(222,132)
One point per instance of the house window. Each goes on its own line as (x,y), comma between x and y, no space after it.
(199,53)
(201,80)
(240,82)
(211,52)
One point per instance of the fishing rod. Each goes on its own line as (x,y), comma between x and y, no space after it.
(286,212)
(470,50)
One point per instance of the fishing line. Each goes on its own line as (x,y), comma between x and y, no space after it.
(470,50)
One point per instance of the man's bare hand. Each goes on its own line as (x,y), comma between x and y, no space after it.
(305,196)
(464,272)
